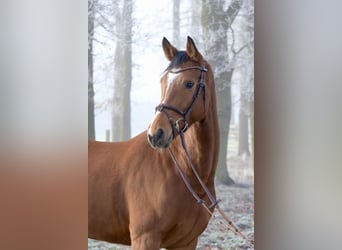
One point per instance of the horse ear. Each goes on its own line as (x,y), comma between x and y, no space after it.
(169,50)
(192,51)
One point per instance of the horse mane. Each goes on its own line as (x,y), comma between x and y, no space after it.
(180,58)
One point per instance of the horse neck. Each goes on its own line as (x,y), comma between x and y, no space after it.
(202,140)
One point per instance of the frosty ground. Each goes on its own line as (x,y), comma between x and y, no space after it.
(237,201)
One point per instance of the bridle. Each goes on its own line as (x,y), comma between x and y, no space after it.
(177,125)
(181,130)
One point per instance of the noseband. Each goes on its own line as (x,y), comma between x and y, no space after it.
(181,124)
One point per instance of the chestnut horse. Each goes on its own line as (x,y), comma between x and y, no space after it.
(136,195)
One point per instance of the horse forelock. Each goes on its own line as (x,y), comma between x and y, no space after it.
(180,58)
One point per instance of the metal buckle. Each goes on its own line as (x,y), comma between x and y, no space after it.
(185,125)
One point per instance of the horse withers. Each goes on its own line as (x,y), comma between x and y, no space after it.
(136,195)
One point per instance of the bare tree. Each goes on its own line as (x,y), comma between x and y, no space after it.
(176,22)
(195,18)
(250,49)
(121,119)
(215,22)
(243,127)
(246,25)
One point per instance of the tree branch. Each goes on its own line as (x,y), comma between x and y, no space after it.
(232,11)
(233,43)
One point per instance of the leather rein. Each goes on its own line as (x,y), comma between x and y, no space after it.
(180,126)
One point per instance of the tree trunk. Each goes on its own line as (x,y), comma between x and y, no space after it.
(117,105)
(195,19)
(243,126)
(243,134)
(176,23)
(91,112)
(224,113)
(125,122)
(121,121)
(215,23)
(251,119)
(250,30)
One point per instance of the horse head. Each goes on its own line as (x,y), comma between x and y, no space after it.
(183,94)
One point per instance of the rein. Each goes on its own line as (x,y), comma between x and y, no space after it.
(181,130)
(214,203)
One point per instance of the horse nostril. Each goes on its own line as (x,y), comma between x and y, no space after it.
(150,137)
(157,138)
(160,134)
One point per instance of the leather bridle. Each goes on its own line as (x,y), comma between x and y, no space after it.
(182,124)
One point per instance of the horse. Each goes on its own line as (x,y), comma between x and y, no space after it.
(136,196)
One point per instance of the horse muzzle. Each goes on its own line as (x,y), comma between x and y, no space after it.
(159,139)
(160,133)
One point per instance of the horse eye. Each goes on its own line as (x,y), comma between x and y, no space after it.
(189,85)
